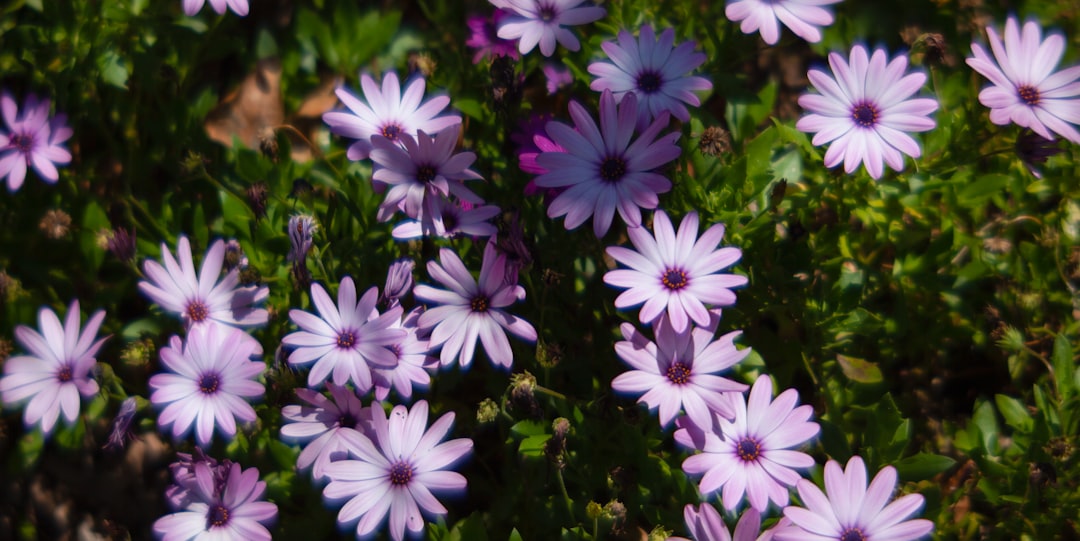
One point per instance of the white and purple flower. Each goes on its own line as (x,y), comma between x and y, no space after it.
(225,505)
(542,22)
(803,17)
(32,140)
(320,425)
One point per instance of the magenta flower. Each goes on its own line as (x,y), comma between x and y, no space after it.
(853,511)
(395,472)
(483,37)
(31,140)
(344,340)
(705,524)
(675,273)
(421,171)
(449,220)
(57,372)
(865,110)
(413,361)
(542,22)
(472,309)
(320,425)
(223,509)
(679,372)
(602,170)
(751,455)
(199,298)
(803,17)
(557,76)
(1026,90)
(211,376)
(654,70)
(388,113)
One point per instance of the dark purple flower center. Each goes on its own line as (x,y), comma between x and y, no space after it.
(347,420)
(22,142)
(748,449)
(864,114)
(400,473)
(479,304)
(197,311)
(64,375)
(674,279)
(396,349)
(547,13)
(346,339)
(1029,94)
(391,131)
(649,81)
(852,534)
(217,515)
(208,383)
(425,173)
(613,168)
(678,373)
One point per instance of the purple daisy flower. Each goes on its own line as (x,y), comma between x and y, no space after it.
(472,309)
(421,171)
(450,220)
(199,298)
(210,377)
(320,425)
(601,169)
(533,22)
(852,511)
(58,371)
(182,492)
(239,7)
(484,38)
(675,273)
(750,454)
(228,509)
(396,472)
(31,140)
(413,361)
(654,70)
(865,110)
(679,372)
(388,113)
(705,524)
(803,17)
(1026,90)
(344,340)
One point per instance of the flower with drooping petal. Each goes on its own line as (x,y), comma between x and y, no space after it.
(183,491)
(320,425)
(542,22)
(450,219)
(680,371)
(396,472)
(346,340)
(471,310)
(705,524)
(601,170)
(31,140)
(239,7)
(120,431)
(414,361)
(751,454)
(388,113)
(200,298)
(866,111)
(228,509)
(484,38)
(58,372)
(1026,90)
(677,274)
(654,70)
(852,511)
(803,17)
(210,378)
(420,172)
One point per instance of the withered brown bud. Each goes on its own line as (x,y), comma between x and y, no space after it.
(934,44)
(121,244)
(268,143)
(714,141)
(56,224)
(257,199)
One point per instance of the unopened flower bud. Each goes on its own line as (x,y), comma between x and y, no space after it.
(55,224)
(487,412)
(121,244)
(398,281)
(257,199)
(120,432)
(714,141)
(138,353)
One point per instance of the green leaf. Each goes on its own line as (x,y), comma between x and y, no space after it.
(1014,412)
(1064,368)
(533,446)
(515,536)
(469,529)
(523,429)
(922,466)
(859,370)
(976,193)
(114,70)
(986,421)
